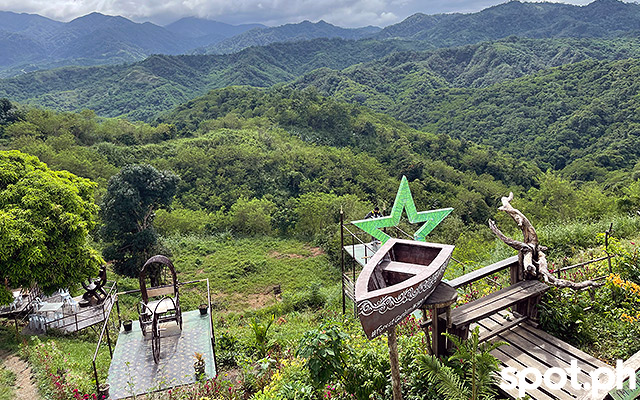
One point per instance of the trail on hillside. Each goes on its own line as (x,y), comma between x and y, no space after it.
(25,389)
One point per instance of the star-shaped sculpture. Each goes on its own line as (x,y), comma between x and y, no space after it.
(403,201)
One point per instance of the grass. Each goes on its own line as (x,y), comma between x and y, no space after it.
(7,384)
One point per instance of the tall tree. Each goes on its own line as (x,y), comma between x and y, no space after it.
(128,209)
(45,219)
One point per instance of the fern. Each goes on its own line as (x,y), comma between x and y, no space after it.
(477,373)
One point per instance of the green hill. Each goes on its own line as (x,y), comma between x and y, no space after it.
(141,90)
(599,19)
(576,116)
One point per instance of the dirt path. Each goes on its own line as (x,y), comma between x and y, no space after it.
(25,389)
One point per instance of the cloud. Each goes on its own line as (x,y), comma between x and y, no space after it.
(348,13)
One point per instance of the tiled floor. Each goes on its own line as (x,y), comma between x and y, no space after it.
(133,371)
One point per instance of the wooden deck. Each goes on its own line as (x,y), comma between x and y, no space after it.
(529,347)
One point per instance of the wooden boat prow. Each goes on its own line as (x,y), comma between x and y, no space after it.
(396,280)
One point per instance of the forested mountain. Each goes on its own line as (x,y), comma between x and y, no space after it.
(208,32)
(287,33)
(31,42)
(394,82)
(277,145)
(89,40)
(581,118)
(601,18)
(159,83)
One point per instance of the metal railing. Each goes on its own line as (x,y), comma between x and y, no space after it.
(105,329)
(85,317)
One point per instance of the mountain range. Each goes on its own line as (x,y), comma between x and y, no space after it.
(31,42)
(389,78)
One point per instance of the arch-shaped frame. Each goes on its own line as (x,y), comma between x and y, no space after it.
(159,259)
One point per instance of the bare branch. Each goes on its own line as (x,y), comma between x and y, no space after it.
(534,261)
(510,242)
(528,231)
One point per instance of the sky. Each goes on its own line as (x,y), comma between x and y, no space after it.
(346,13)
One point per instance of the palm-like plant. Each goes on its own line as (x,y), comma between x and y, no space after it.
(474,376)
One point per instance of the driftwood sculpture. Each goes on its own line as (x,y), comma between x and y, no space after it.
(532,257)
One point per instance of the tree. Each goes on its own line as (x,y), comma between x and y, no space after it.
(45,219)
(128,209)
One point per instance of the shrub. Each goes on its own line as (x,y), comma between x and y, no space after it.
(323,348)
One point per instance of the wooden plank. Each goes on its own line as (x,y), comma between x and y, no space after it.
(526,361)
(474,312)
(508,361)
(160,291)
(404,268)
(495,296)
(483,272)
(559,343)
(503,328)
(550,357)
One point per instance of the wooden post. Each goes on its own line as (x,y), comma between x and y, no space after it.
(395,364)
(344,300)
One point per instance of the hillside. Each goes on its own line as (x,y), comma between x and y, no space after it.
(599,19)
(88,40)
(287,33)
(142,90)
(568,112)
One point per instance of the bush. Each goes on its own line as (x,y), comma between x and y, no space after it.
(252,217)
(323,348)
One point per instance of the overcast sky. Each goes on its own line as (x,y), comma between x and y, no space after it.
(347,13)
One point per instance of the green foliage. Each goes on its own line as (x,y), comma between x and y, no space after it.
(562,315)
(142,90)
(227,350)
(128,207)
(45,217)
(260,330)
(473,374)
(252,217)
(7,383)
(323,348)
(8,113)
(366,373)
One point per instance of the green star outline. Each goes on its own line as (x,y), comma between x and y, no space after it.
(403,201)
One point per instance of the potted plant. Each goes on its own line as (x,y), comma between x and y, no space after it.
(103,391)
(203,309)
(127,323)
(198,366)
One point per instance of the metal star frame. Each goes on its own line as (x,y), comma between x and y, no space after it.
(403,201)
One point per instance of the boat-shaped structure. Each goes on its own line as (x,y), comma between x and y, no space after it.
(396,280)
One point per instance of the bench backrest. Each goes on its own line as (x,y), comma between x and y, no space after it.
(161,291)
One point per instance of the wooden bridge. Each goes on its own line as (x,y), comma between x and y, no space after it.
(510,315)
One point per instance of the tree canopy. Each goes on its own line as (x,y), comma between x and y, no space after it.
(45,219)
(128,209)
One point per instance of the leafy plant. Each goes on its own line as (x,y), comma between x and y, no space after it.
(260,330)
(562,315)
(470,374)
(324,350)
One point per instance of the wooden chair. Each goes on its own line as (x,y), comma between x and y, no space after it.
(94,290)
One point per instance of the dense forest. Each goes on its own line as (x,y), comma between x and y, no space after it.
(580,118)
